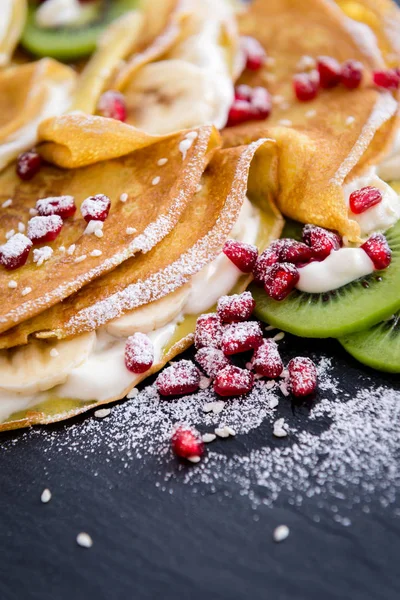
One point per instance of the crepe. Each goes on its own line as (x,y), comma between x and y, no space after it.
(13,15)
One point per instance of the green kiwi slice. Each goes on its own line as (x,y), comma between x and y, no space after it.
(377,347)
(353,307)
(75,41)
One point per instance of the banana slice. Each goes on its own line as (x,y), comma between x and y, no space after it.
(41,365)
(151,316)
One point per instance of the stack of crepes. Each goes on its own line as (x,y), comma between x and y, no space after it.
(157,261)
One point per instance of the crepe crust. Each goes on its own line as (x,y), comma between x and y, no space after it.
(10,38)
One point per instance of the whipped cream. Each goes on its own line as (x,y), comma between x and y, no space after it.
(57,13)
(389,168)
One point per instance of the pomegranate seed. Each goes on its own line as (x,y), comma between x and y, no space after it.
(112,105)
(187,443)
(208,331)
(302,376)
(269,257)
(242,255)
(233,381)
(63,206)
(211,360)
(351,74)
(14,253)
(96,208)
(293,251)
(250,104)
(253,51)
(238,307)
(378,250)
(306,86)
(280,279)
(241,337)
(266,360)
(321,241)
(28,164)
(182,377)
(329,71)
(389,80)
(139,353)
(362,200)
(44,229)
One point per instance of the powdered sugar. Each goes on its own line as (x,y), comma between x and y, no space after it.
(40,255)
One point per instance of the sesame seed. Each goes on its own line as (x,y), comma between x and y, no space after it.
(162,161)
(10,234)
(123,197)
(7,203)
(285,122)
(12,284)
(279,336)
(350,120)
(26,291)
(54,353)
(279,430)
(280,533)
(21,227)
(208,437)
(133,393)
(311,113)
(93,226)
(130,230)
(71,249)
(230,430)
(84,540)
(102,412)
(46,496)
(81,258)
(96,253)
(33,212)
(156,180)
(98,233)
(194,459)
(270,328)
(221,432)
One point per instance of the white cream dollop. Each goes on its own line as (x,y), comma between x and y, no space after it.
(389,168)
(56,13)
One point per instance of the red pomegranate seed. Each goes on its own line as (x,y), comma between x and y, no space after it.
(351,74)
(302,376)
(208,331)
(96,208)
(242,255)
(306,86)
(329,71)
(139,353)
(211,360)
(267,361)
(293,251)
(182,377)
(187,443)
(112,104)
(253,51)
(378,250)
(63,206)
(233,381)
(241,337)
(44,229)
(321,241)
(14,253)
(250,104)
(269,257)
(28,164)
(280,279)
(389,80)
(362,200)
(238,307)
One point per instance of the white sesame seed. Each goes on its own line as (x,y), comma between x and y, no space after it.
(71,249)
(21,227)
(98,233)
(270,328)
(281,533)
(81,258)
(12,284)
(133,393)
(279,336)
(10,234)
(207,407)
(96,253)
(311,113)
(156,180)
(230,430)
(84,540)
(218,407)
(54,353)
(162,161)
(26,291)
(33,212)
(102,412)
(123,197)
(130,230)
(279,428)
(285,123)
(194,459)
(92,227)
(208,437)
(7,203)
(221,432)
(46,496)
(350,120)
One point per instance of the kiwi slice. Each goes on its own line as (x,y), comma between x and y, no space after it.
(377,347)
(353,307)
(74,41)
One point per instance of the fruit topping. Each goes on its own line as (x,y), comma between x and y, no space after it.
(44,229)
(266,360)
(269,257)
(182,377)
(63,206)
(250,104)
(321,241)
(351,74)
(233,381)
(293,251)
(280,279)
(139,353)
(253,52)
(378,250)
(243,256)
(302,376)
(211,360)
(389,80)
(329,71)
(238,307)
(96,208)
(28,164)
(241,337)
(306,86)
(362,200)
(14,253)
(187,443)
(112,104)
(208,331)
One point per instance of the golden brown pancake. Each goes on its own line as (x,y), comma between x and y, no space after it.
(13,21)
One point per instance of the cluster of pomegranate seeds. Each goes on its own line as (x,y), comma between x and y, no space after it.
(112,104)
(14,253)
(302,376)
(329,74)
(241,337)
(211,360)
(362,200)
(321,241)
(253,52)
(306,86)
(28,164)
(378,250)
(180,378)
(44,229)
(351,74)
(329,70)
(280,279)
(243,256)
(293,252)
(96,208)
(208,332)
(63,206)
(269,257)
(233,381)
(267,361)
(187,443)
(139,353)
(238,307)
(389,79)
(250,104)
